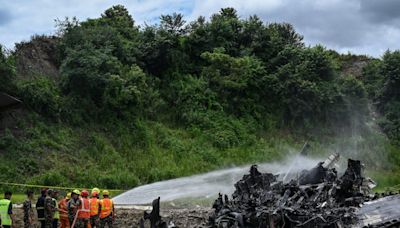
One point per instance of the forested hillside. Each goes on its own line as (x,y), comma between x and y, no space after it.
(110,103)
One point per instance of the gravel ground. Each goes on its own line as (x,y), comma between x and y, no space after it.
(129,217)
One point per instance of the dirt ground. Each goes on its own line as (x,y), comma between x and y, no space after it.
(191,218)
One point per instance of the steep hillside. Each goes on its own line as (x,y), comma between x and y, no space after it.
(113,105)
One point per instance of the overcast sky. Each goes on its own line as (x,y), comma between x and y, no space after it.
(359,26)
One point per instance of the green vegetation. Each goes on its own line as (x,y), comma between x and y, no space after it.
(137,105)
(382,78)
(16,198)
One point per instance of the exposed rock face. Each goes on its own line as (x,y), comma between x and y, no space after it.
(38,57)
(354,64)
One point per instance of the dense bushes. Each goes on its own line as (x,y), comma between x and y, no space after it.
(42,95)
(382,79)
(7,72)
(118,70)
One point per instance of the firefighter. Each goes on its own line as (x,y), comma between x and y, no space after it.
(107,211)
(83,220)
(64,221)
(95,209)
(40,208)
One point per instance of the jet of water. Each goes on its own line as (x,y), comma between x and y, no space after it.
(207,185)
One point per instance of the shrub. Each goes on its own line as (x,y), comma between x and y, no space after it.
(42,95)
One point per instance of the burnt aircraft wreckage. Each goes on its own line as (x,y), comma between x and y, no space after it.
(315,198)
(318,197)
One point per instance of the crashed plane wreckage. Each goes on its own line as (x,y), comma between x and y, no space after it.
(314,198)
(318,197)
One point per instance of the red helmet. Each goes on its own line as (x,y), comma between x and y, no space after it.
(84,193)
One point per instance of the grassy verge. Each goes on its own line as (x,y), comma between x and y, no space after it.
(17,198)
(123,155)
(386,181)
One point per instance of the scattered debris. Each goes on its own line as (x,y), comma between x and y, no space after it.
(316,198)
(155,218)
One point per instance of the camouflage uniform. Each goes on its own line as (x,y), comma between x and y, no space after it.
(95,220)
(73,206)
(107,220)
(49,210)
(82,223)
(28,214)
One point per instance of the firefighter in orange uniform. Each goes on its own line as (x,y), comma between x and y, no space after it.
(95,209)
(107,211)
(64,221)
(83,220)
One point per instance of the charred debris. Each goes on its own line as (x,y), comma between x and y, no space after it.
(313,198)
(319,197)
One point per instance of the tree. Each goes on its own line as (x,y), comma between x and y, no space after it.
(173,23)
(306,88)
(7,72)
(388,95)
(255,39)
(161,46)
(235,80)
(86,71)
(224,29)
(119,18)
(128,93)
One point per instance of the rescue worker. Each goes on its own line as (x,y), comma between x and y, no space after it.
(64,221)
(49,209)
(40,208)
(56,216)
(73,205)
(96,190)
(6,213)
(95,209)
(28,210)
(107,212)
(84,211)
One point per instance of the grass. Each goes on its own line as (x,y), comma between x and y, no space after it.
(386,181)
(124,155)
(16,198)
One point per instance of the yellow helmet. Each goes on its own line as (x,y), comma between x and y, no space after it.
(76,191)
(68,196)
(95,190)
(106,193)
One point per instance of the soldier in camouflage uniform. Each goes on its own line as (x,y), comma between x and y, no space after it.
(49,209)
(73,205)
(28,211)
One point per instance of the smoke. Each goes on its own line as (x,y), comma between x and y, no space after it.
(363,140)
(208,185)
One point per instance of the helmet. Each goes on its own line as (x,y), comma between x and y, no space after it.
(95,190)
(106,193)
(68,196)
(84,193)
(76,191)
